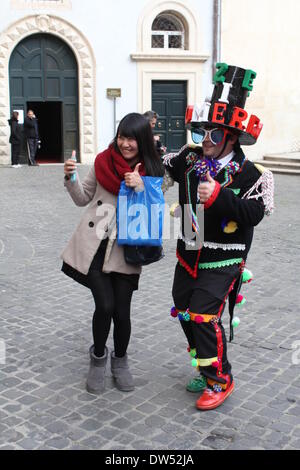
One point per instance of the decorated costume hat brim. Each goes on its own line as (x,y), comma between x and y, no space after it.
(225,107)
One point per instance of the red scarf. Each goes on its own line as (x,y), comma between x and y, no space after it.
(110,168)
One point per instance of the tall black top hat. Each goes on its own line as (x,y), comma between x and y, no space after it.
(225,107)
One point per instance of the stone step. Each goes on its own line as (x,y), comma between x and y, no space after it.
(287,157)
(283,171)
(280,164)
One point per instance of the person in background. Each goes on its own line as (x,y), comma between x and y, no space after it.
(152,117)
(15,139)
(93,256)
(32,136)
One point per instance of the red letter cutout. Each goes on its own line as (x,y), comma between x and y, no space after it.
(238,116)
(219,110)
(189,114)
(254,126)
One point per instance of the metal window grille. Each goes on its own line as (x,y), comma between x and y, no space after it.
(167,32)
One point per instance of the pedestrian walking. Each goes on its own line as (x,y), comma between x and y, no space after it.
(32,136)
(15,139)
(93,256)
(230,195)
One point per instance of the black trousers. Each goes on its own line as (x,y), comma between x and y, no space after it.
(32,145)
(15,153)
(112,294)
(206,295)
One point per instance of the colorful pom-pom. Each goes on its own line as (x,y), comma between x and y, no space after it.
(194,363)
(193,352)
(240,300)
(232,168)
(215,364)
(186,316)
(175,210)
(180,316)
(235,322)
(199,319)
(247,275)
(173,312)
(230,227)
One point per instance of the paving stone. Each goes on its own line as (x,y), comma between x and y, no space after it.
(109,433)
(155,421)
(28,444)
(121,423)
(93,442)
(91,425)
(214,442)
(27,400)
(57,427)
(58,443)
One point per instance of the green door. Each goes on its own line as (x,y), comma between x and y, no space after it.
(169,100)
(43,69)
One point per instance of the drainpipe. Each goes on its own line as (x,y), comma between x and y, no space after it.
(216,57)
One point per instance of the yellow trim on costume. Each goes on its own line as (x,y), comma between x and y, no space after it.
(207,317)
(260,168)
(206,362)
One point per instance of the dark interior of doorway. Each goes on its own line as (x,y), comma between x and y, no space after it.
(49,115)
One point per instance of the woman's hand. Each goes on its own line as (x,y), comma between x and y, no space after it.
(206,189)
(134,180)
(69,167)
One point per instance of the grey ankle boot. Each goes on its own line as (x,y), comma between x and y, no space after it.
(96,376)
(121,373)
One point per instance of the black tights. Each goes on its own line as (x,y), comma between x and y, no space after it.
(112,294)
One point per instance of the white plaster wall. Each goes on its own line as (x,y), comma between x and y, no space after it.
(111,29)
(265,36)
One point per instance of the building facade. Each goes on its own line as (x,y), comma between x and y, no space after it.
(265,36)
(61,58)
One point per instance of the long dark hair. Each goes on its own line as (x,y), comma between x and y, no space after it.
(15,116)
(136,126)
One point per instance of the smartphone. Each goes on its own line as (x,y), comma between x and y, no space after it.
(73,157)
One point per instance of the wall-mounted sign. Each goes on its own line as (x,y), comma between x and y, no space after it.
(113,92)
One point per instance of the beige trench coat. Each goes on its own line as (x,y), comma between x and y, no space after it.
(98,221)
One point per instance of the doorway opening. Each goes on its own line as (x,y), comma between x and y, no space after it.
(49,116)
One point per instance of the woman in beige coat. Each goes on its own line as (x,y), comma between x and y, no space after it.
(93,257)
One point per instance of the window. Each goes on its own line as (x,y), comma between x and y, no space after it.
(167,32)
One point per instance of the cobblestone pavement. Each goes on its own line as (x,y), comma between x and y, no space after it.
(45,325)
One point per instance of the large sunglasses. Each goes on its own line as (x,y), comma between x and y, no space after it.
(216,136)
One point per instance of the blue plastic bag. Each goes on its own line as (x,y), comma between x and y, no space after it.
(140,215)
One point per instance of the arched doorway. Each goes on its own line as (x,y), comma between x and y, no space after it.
(43,76)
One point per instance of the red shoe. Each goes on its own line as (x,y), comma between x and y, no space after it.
(211,399)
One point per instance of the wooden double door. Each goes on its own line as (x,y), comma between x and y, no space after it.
(169,100)
(43,76)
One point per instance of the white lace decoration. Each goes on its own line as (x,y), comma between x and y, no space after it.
(186,240)
(213,245)
(169,156)
(225,246)
(266,181)
(168,182)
